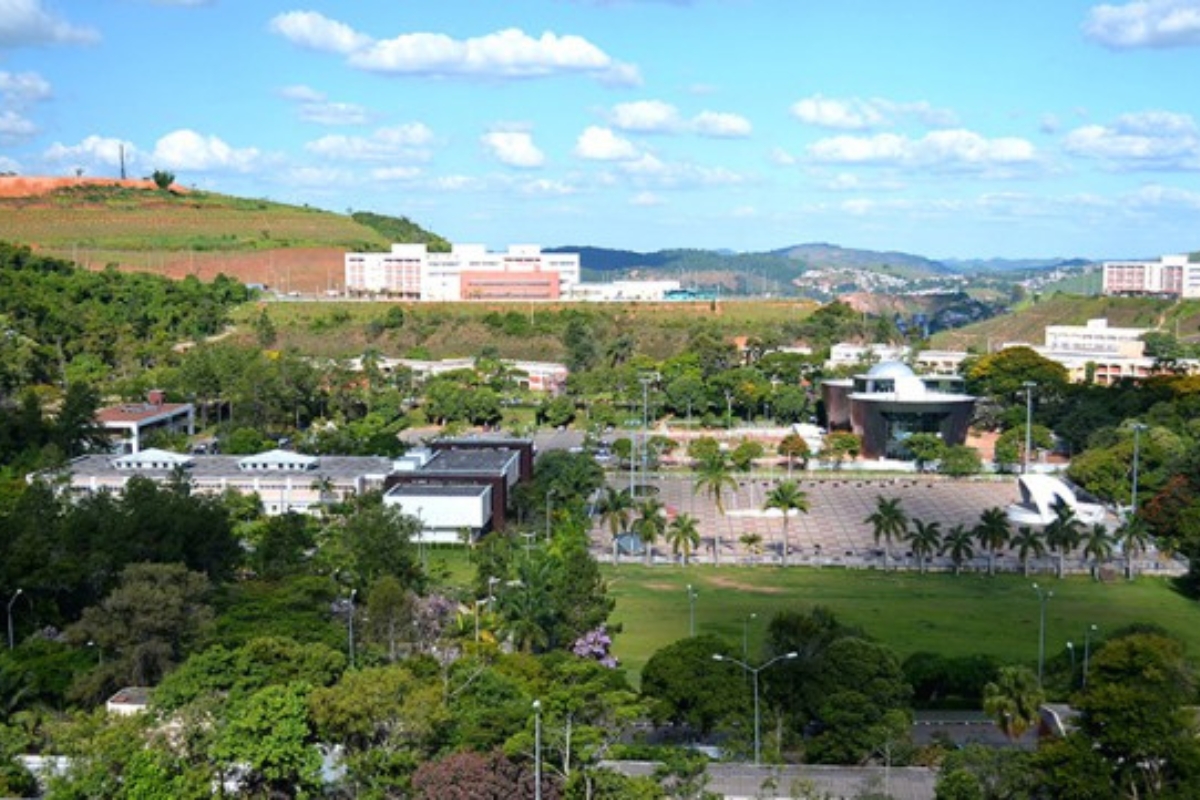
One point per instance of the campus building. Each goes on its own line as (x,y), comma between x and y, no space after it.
(534,376)
(889,403)
(1170,276)
(467,272)
(130,423)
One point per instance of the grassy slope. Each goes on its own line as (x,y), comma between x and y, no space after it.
(1028,322)
(943,613)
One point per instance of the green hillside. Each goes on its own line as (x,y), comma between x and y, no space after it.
(123,220)
(1027,322)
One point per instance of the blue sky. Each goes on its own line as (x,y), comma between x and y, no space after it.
(949,128)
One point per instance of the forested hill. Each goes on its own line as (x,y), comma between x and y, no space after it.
(59,322)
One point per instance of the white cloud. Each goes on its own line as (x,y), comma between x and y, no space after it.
(951,149)
(1145,23)
(456,183)
(8,165)
(781,157)
(649,170)
(601,144)
(1151,139)
(92,151)
(514,148)
(321,177)
(315,107)
(646,116)
(509,53)
(543,187)
(23,88)
(15,128)
(408,141)
(855,114)
(26,22)
(721,125)
(188,150)
(396,173)
(316,31)
(645,199)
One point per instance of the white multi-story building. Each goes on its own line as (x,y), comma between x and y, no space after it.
(467,272)
(1172,275)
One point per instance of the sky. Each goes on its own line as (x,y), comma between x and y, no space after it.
(945,128)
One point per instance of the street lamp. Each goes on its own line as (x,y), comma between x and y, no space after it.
(1029,387)
(1071,649)
(757,716)
(1087,650)
(537,749)
(746,636)
(353,594)
(1043,597)
(12,600)
(691,610)
(1137,441)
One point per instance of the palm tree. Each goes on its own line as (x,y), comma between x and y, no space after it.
(650,524)
(1014,701)
(993,533)
(713,477)
(958,544)
(683,536)
(1133,536)
(1064,533)
(889,522)
(787,497)
(615,508)
(752,542)
(1028,542)
(924,538)
(1098,546)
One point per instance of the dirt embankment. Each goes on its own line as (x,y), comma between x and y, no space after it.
(29,186)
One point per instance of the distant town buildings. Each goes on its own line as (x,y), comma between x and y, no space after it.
(533,376)
(467,272)
(1171,276)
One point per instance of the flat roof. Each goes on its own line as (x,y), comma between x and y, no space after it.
(470,461)
(437,490)
(215,467)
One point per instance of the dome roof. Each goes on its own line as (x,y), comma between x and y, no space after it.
(890,369)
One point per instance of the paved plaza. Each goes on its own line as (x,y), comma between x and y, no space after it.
(834,532)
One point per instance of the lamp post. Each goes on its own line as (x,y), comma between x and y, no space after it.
(757,715)
(691,610)
(12,600)
(1043,597)
(537,749)
(1087,650)
(1029,387)
(1137,441)
(353,594)
(1071,650)
(478,603)
(746,636)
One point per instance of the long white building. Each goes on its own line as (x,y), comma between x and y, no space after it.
(1174,276)
(467,272)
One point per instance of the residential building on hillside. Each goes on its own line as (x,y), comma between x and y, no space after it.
(534,376)
(1171,276)
(467,272)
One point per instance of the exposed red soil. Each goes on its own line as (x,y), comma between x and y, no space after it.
(26,186)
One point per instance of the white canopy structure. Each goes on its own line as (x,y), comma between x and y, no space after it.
(1039,496)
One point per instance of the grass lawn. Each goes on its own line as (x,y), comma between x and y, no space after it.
(943,613)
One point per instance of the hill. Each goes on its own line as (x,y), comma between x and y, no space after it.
(820,255)
(137,227)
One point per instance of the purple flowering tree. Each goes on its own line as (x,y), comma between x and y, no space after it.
(596,645)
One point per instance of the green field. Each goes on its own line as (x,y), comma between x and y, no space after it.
(943,613)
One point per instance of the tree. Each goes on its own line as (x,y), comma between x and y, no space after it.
(147,623)
(683,684)
(925,538)
(840,445)
(888,522)
(650,524)
(1064,533)
(925,448)
(1028,543)
(684,536)
(794,447)
(1133,535)
(478,776)
(714,478)
(615,509)
(1098,546)
(269,737)
(163,179)
(1006,372)
(993,532)
(786,497)
(960,461)
(958,544)
(1014,701)
(745,454)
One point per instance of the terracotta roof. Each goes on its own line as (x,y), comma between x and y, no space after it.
(133,412)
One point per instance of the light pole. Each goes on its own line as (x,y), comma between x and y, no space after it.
(1043,597)
(757,716)
(1029,387)
(746,636)
(1087,650)
(691,610)
(353,594)
(1137,441)
(537,749)
(1071,650)
(478,603)
(12,600)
